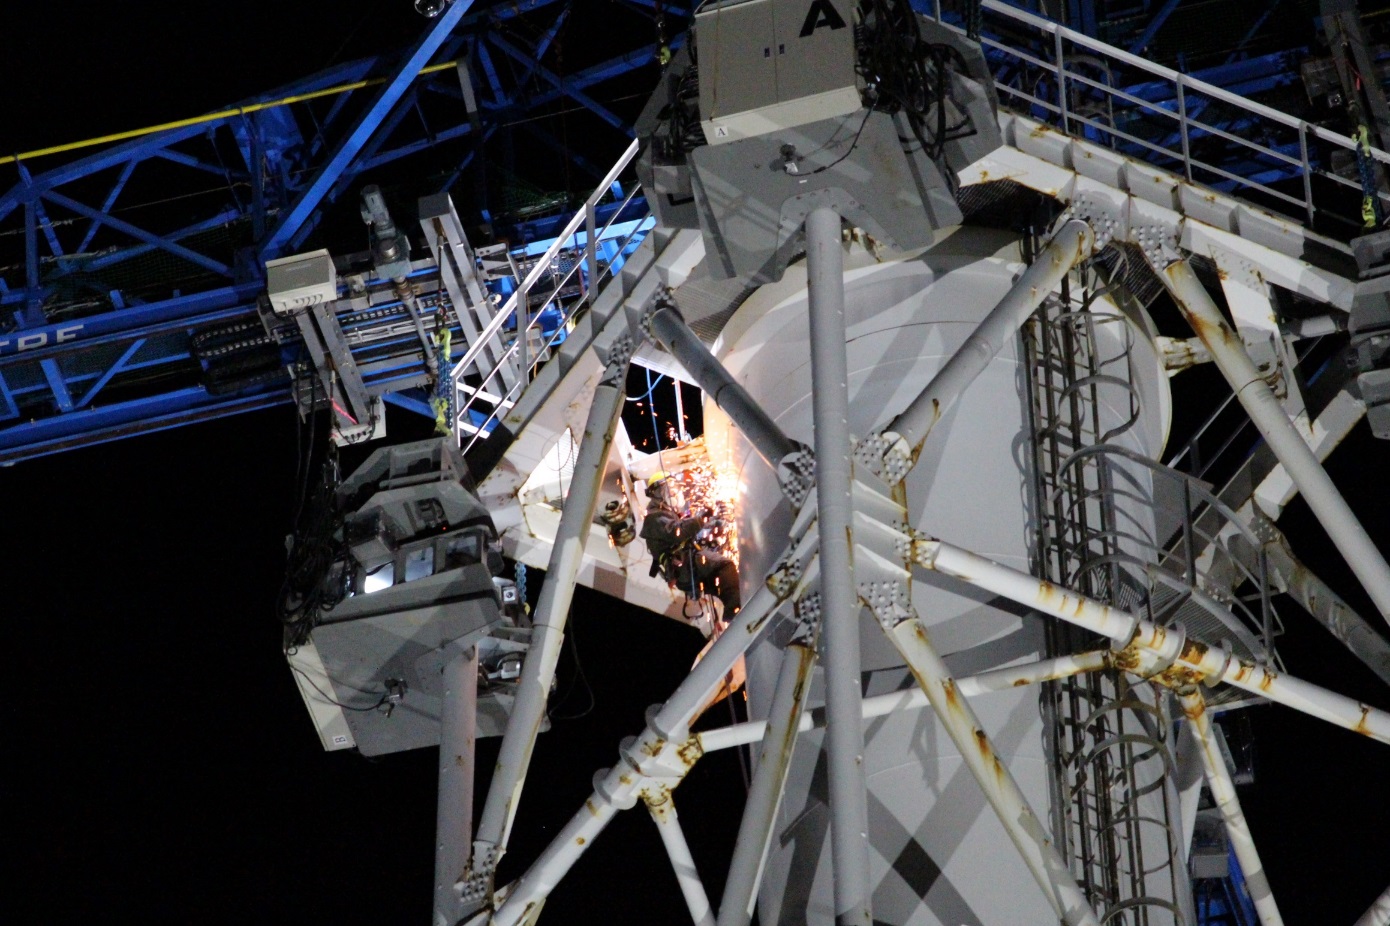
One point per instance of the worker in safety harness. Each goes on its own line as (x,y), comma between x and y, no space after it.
(674,539)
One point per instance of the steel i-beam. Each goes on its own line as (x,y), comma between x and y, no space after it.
(295,217)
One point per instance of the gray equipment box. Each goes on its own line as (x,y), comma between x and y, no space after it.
(419,554)
(403,636)
(773,64)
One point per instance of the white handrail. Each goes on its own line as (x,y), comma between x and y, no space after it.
(1052,37)
(541,265)
(1190,84)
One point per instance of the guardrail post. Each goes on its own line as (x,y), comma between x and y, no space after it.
(1061,81)
(590,250)
(1307,169)
(1182,128)
(523,333)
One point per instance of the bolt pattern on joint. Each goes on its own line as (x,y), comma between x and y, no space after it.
(784,578)
(796,474)
(886,455)
(808,608)
(664,299)
(619,356)
(476,885)
(889,601)
(1096,212)
(806,627)
(1159,244)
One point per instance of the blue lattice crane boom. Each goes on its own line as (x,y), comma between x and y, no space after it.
(115,320)
(104,313)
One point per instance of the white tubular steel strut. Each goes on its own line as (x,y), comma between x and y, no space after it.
(662,806)
(765,794)
(454,812)
(709,374)
(552,611)
(884,550)
(844,735)
(1006,679)
(1379,912)
(1001,789)
(656,761)
(1165,647)
(1071,245)
(1223,791)
(653,762)
(1265,410)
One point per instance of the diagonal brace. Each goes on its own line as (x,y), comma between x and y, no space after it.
(349,148)
(1267,413)
(792,460)
(552,613)
(1223,791)
(894,451)
(1144,642)
(883,555)
(658,758)
(121,225)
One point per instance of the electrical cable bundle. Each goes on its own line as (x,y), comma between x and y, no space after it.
(684,133)
(905,73)
(312,585)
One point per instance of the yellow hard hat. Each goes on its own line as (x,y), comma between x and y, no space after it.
(656,478)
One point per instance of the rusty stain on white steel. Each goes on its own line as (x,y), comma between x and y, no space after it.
(1223,791)
(1194,656)
(1043,670)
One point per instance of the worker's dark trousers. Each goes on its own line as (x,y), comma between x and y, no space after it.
(719,577)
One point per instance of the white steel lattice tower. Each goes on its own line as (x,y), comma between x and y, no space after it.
(939,853)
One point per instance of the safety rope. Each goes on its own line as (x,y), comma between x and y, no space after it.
(1372,212)
(521,587)
(442,402)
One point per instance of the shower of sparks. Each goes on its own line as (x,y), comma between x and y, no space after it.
(706,490)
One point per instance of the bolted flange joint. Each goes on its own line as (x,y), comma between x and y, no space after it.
(796,474)
(886,455)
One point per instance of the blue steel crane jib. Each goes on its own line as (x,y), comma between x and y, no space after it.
(135,336)
(283,207)
(274,147)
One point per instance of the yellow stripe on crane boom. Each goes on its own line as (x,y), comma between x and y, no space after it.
(211,117)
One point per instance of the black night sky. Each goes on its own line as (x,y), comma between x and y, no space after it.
(159,764)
